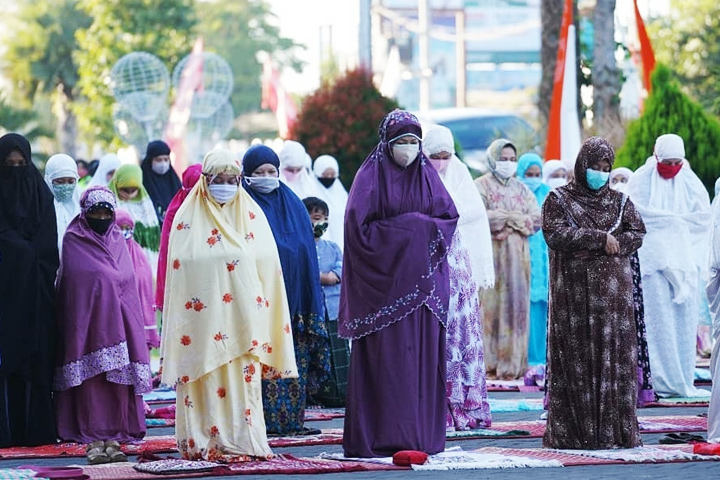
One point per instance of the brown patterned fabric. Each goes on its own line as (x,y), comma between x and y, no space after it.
(592,345)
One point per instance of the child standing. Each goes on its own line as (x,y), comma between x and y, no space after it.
(331,392)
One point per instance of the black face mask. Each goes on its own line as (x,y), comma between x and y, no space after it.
(319,229)
(100,225)
(327,182)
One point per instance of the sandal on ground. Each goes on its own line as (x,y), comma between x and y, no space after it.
(112,449)
(95,453)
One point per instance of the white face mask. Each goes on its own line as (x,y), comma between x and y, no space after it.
(405,154)
(263,184)
(620,187)
(505,169)
(557,182)
(223,193)
(161,168)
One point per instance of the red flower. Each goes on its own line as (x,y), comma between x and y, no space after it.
(198,306)
(212,241)
(269,349)
(230,267)
(248,378)
(179,226)
(287,328)
(227,298)
(267,304)
(252,215)
(176,264)
(258,299)
(251,369)
(188,305)
(185,340)
(218,336)
(215,231)
(191,442)
(214,432)
(247,412)
(184,379)
(254,343)
(221,392)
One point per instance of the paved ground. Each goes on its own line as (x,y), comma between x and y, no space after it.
(668,471)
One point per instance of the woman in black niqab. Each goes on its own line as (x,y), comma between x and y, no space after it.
(28,244)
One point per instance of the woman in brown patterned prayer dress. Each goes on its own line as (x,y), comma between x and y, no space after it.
(591,231)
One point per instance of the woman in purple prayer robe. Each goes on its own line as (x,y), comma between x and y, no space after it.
(399,224)
(103,365)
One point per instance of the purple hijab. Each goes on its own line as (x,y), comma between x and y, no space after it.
(100,320)
(398,227)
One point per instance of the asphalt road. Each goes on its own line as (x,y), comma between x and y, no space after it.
(666,471)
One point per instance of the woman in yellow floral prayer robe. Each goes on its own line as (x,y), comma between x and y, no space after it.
(225,317)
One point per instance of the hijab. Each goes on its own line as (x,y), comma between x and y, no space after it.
(61,166)
(107,163)
(161,188)
(293,233)
(588,208)
(144,277)
(493,157)
(28,245)
(335,196)
(293,155)
(677,215)
(399,224)
(225,297)
(147,225)
(99,306)
(550,167)
(189,179)
(473,223)
(539,189)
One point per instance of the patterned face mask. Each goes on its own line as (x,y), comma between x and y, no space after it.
(64,192)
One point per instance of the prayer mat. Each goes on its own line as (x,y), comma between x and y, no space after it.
(315,414)
(457,459)
(159,422)
(515,405)
(282,465)
(156,444)
(680,402)
(570,458)
(160,395)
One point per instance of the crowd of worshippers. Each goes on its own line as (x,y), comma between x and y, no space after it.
(269,289)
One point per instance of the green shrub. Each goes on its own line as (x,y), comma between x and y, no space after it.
(342,119)
(669,110)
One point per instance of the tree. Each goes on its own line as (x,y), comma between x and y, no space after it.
(39,59)
(161,27)
(20,120)
(237,31)
(689,39)
(669,110)
(605,74)
(342,120)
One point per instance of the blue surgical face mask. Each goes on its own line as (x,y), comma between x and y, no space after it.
(596,179)
(532,182)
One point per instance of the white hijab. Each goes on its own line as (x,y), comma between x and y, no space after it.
(625,172)
(294,155)
(676,213)
(108,163)
(335,196)
(61,166)
(473,224)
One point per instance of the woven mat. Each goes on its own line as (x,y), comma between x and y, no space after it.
(682,453)
(283,465)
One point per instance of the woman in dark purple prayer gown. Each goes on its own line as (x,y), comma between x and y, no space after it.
(399,224)
(103,365)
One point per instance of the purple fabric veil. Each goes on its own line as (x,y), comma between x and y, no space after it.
(100,320)
(398,227)
(143,275)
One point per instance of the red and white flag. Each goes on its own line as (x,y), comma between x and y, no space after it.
(191,81)
(647,56)
(276,99)
(563,134)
